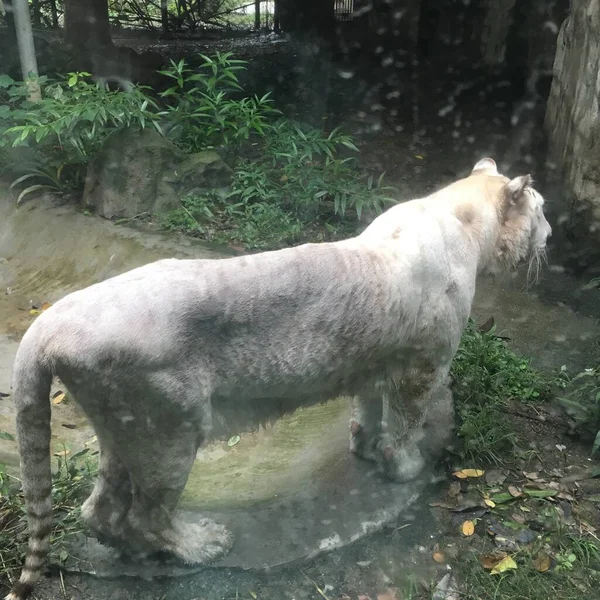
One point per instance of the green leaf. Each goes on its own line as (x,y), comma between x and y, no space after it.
(596,445)
(31,189)
(502,498)
(233,440)
(540,493)
(4,435)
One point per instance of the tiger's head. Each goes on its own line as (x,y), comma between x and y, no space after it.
(522,230)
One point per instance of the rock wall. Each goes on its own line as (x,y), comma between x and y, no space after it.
(573,123)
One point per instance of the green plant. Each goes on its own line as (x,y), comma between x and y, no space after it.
(256,226)
(71,483)
(66,127)
(201,112)
(302,166)
(487,375)
(582,401)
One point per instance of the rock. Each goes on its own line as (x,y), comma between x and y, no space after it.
(573,122)
(142,172)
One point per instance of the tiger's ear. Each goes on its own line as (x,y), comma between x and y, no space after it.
(486,166)
(515,188)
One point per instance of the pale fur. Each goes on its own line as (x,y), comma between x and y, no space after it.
(168,355)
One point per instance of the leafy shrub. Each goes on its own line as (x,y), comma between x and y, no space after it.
(302,169)
(487,375)
(67,127)
(257,226)
(200,110)
(582,402)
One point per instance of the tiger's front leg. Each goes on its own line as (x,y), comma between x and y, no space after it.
(365,426)
(409,400)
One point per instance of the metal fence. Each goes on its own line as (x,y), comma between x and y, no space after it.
(343,10)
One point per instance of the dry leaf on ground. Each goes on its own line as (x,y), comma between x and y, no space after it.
(542,563)
(506,564)
(489,561)
(439,557)
(468,473)
(515,492)
(467,528)
(58,398)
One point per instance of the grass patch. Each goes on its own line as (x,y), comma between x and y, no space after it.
(574,574)
(487,377)
(71,484)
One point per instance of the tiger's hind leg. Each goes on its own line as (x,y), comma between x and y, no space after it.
(107,506)
(159,466)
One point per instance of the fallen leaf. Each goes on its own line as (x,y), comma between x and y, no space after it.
(565,496)
(92,440)
(466,473)
(69,425)
(560,447)
(518,518)
(46,306)
(502,498)
(418,156)
(489,502)
(489,561)
(525,509)
(33,312)
(58,398)
(439,557)
(232,441)
(442,505)
(4,395)
(542,563)
(62,453)
(533,476)
(514,491)
(541,493)
(506,564)
(468,528)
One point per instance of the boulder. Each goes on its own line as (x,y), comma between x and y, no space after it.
(573,126)
(140,172)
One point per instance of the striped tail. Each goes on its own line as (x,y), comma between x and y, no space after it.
(31,388)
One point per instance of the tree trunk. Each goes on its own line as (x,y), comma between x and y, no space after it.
(36,15)
(26,48)
(54,13)
(257,14)
(10,22)
(164,16)
(276,24)
(87,25)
